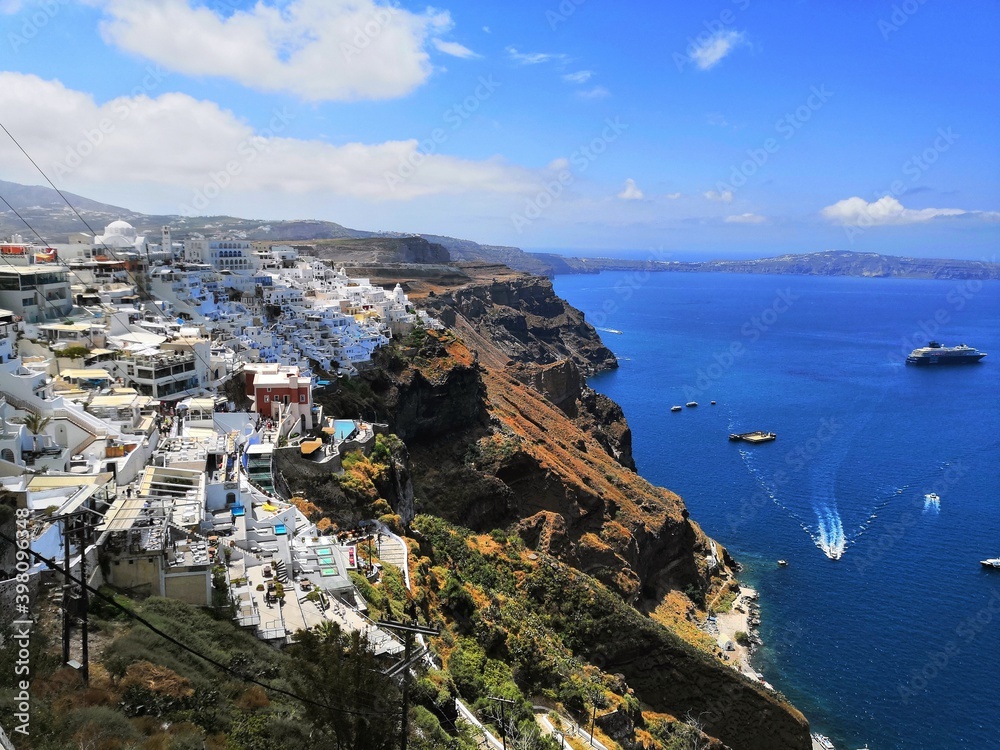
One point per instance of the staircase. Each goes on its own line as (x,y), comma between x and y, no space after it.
(280,574)
(392,552)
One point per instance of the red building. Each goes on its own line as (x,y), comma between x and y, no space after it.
(278,390)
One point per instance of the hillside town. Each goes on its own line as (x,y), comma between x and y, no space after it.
(146,387)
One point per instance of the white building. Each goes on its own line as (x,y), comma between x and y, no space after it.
(35,292)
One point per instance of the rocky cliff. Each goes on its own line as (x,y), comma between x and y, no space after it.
(357,251)
(503,433)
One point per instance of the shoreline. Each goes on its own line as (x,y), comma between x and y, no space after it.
(743,617)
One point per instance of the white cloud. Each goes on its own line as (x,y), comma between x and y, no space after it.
(454,49)
(712,50)
(315,49)
(10,6)
(487,29)
(726,196)
(747,218)
(673,196)
(175,145)
(886,210)
(631,191)
(598,92)
(534,58)
(580,77)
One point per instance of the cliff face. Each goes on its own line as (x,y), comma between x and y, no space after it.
(381,250)
(525,320)
(522,327)
(503,432)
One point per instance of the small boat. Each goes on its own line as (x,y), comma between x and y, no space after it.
(676,408)
(713,403)
(932,497)
(783,563)
(992,562)
(823,742)
(691,403)
(758,436)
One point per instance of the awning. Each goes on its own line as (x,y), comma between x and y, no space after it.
(310,446)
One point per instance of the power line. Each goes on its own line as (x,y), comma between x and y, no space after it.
(135,282)
(219,665)
(44,241)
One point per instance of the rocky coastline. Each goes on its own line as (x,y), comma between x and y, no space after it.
(503,433)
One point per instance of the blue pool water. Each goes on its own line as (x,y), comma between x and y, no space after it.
(343,428)
(884,628)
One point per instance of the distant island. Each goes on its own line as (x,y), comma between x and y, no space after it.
(48,215)
(828,263)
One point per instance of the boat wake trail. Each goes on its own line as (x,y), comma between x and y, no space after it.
(830,536)
(769,488)
(827,532)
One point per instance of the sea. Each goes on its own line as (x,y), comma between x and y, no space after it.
(881,491)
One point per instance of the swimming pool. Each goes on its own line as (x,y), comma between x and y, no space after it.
(343,428)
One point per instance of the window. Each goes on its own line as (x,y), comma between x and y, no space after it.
(302,398)
(267,399)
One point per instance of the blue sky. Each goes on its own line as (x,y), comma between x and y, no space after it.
(728,128)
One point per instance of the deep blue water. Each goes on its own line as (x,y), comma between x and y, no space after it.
(897,642)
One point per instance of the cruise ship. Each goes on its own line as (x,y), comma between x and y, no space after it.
(935,354)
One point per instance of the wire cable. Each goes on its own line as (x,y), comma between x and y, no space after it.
(135,283)
(215,663)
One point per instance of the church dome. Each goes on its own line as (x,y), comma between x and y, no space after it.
(119,229)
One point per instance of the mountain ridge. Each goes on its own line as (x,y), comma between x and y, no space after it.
(47,213)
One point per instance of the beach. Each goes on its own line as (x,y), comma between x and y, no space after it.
(743,617)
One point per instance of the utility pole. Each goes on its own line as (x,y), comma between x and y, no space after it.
(504,702)
(409,630)
(76,524)
(66,590)
(84,604)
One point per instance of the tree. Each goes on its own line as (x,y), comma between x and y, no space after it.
(340,670)
(36,425)
(76,351)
